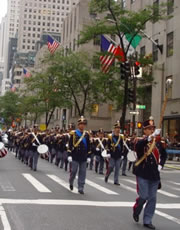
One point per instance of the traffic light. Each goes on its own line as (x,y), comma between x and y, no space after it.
(125,70)
(130,95)
(139,125)
(137,68)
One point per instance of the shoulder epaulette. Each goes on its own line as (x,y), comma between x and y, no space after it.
(72,132)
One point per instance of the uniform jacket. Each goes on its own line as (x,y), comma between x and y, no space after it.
(116,152)
(81,152)
(148,169)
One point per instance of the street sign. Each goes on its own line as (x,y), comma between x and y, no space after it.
(134,112)
(140,107)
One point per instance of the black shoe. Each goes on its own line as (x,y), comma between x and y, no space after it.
(116,183)
(150,226)
(81,192)
(71,187)
(106,179)
(124,174)
(135,217)
(101,173)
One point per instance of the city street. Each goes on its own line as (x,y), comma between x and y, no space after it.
(42,201)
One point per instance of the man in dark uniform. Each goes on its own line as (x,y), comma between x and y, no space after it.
(99,160)
(147,172)
(78,154)
(115,150)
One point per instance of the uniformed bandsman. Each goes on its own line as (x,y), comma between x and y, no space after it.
(78,154)
(115,149)
(147,170)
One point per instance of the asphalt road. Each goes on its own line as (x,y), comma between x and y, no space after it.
(42,201)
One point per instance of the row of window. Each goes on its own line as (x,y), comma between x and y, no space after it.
(169,47)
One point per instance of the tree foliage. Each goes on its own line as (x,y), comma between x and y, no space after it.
(113,19)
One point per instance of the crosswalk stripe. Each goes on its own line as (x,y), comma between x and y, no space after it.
(174,183)
(172,218)
(167,194)
(38,185)
(123,186)
(159,191)
(101,188)
(61,182)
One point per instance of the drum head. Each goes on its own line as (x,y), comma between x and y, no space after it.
(132,156)
(104,153)
(42,149)
(1,145)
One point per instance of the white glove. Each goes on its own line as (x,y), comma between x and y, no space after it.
(150,138)
(122,157)
(69,159)
(108,156)
(97,149)
(159,167)
(88,160)
(156,132)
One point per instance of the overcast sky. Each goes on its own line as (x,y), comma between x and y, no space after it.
(3,8)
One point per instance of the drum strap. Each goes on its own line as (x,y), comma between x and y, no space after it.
(36,138)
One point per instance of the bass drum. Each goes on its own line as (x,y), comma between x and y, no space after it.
(42,149)
(3,150)
(132,156)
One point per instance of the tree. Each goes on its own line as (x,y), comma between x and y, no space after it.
(121,22)
(77,82)
(43,95)
(9,108)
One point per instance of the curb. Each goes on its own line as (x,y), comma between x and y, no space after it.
(172,167)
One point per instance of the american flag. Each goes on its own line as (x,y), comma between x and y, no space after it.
(113,51)
(52,44)
(12,88)
(26,73)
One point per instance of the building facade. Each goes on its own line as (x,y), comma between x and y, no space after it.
(38,16)
(166,64)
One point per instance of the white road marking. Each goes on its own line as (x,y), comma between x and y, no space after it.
(13,153)
(159,191)
(101,188)
(4,219)
(38,185)
(62,183)
(173,188)
(174,219)
(167,194)
(174,183)
(123,186)
(83,203)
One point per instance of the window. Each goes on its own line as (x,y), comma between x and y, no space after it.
(143,51)
(155,51)
(170,38)
(95,110)
(169,86)
(170,6)
(132,1)
(96,41)
(155,10)
(123,3)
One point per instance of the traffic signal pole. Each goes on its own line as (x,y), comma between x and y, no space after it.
(134,102)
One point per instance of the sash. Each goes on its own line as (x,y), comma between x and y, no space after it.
(81,138)
(116,144)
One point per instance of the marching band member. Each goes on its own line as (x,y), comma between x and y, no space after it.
(78,154)
(115,149)
(147,170)
(99,160)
